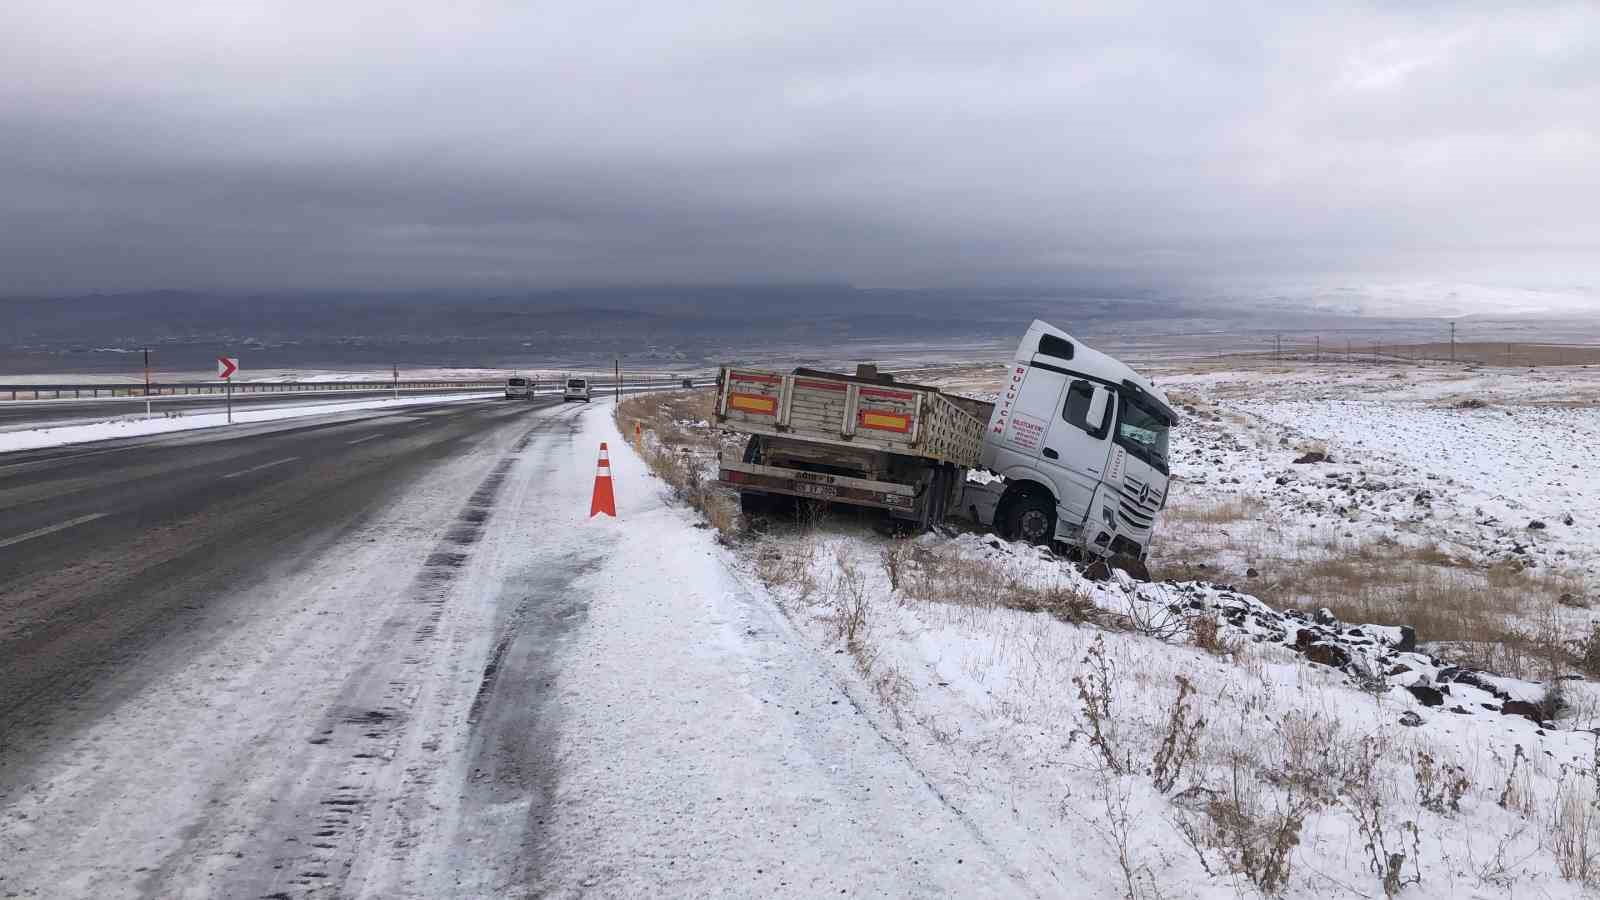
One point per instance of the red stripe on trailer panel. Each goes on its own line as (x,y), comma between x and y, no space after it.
(892,395)
(758,379)
(820,385)
(883,421)
(754,403)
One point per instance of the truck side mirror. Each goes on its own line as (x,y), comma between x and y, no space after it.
(1098,404)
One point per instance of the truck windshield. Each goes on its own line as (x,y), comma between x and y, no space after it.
(517,382)
(577,383)
(1142,430)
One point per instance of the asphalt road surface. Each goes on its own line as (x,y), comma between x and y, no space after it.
(316,558)
(25,413)
(388,653)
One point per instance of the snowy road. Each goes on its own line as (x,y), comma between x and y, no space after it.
(389,655)
(32,413)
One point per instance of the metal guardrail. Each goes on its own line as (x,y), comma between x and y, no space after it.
(201,388)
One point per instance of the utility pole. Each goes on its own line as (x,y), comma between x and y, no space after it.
(396,381)
(1277,352)
(1452,342)
(147,413)
(1318,356)
(616,374)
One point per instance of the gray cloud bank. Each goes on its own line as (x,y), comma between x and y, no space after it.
(385,146)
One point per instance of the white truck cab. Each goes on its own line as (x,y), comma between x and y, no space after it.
(576,389)
(1081,441)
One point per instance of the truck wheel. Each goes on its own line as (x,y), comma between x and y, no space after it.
(1030,518)
(1132,565)
(753,505)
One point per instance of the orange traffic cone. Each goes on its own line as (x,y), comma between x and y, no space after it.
(603,501)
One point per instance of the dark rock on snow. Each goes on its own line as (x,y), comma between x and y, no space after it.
(1523,708)
(1425,695)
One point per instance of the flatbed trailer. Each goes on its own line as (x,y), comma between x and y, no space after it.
(862,439)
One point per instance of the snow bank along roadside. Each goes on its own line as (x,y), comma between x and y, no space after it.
(702,750)
(36,438)
(1183,738)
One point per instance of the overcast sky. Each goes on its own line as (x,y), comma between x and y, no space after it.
(269,145)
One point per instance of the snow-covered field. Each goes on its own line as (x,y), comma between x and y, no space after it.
(1062,717)
(1460,501)
(557,705)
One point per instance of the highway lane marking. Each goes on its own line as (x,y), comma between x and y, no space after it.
(51,459)
(52,529)
(276,462)
(365,439)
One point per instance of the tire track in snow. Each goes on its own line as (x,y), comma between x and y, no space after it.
(367,728)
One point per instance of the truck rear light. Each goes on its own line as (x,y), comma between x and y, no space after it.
(732,477)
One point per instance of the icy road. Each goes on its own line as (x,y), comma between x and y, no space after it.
(380,654)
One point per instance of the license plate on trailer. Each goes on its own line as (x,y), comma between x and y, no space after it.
(825,491)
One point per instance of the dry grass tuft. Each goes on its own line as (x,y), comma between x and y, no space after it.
(1218,512)
(671,415)
(976,583)
(1502,618)
(680,451)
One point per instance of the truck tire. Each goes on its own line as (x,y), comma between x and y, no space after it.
(1029,517)
(753,505)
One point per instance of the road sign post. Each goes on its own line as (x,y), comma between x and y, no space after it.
(226,366)
(147,382)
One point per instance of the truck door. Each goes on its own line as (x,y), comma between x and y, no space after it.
(1077,445)
(1035,395)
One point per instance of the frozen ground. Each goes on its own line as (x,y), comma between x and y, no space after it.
(1487,468)
(989,684)
(553,705)
(1046,708)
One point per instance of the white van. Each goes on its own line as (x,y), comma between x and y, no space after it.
(577,389)
(519,388)
(1081,440)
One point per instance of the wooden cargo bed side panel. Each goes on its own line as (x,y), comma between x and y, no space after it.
(753,397)
(887,414)
(818,407)
(906,420)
